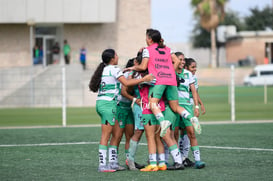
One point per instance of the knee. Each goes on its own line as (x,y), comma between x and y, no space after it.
(191,135)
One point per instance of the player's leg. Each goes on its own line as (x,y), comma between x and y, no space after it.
(150,128)
(155,94)
(105,109)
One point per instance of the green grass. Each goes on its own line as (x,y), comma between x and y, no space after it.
(80,161)
(249,106)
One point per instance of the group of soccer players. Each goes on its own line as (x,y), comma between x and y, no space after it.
(157,94)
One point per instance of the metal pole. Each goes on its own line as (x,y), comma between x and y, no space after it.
(64,96)
(32,69)
(265,92)
(232,94)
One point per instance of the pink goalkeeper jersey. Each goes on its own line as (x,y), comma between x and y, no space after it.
(144,94)
(160,65)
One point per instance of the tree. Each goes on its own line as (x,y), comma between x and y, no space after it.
(201,37)
(259,19)
(232,18)
(210,13)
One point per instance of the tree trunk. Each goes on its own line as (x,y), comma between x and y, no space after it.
(213,48)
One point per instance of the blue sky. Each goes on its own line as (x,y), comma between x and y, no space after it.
(174,18)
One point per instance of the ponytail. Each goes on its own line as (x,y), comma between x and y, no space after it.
(95,80)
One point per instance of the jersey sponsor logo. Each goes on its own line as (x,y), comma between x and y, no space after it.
(161,60)
(158,66)
(164,75)
(148,106)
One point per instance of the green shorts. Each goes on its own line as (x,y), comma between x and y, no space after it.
(186,122)
(124,115)
(149,119)
(107,111)
(157,91)
(170,116)
(137,111)
(178,120)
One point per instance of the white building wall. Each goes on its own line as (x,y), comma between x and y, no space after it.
(57,11)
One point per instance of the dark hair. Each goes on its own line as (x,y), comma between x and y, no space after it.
(139,60)
(139,57)
(178,54)
(155,35)
(189,61)
(106,56)
(130,62)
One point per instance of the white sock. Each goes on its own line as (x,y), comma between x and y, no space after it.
(196,153)
(113,156)
(161,159)
(175,154)
(102,155)
(185,146)
(152,159)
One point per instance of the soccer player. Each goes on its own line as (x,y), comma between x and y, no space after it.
(105,81)
(158,59)
(185,86)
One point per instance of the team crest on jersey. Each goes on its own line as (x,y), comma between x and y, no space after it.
(186,76)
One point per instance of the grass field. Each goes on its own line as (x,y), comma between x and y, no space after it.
(231,152)
(249,106)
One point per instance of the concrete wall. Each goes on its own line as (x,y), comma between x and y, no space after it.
(14,45)
(248,43)
(57,11)
(126,36)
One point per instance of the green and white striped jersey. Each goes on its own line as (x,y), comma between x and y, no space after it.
(109,86)
(123,101)
(185,79)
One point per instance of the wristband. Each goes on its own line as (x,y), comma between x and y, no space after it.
(196,107)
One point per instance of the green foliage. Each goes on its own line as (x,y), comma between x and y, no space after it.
(195,2)
(206,8)
(259,19)
(232,18)
(201,37)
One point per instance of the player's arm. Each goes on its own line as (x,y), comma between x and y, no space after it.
(195,99)
(131,82)
(203,110)
(127,92)
(143,66)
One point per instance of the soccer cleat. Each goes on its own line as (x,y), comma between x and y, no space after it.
(164,125)
(150,168)
(188,163)
(105,168)
(199,164)
(139,166)
(176,166)
(196,125)
(116,166)
(163,167)
(131,165)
